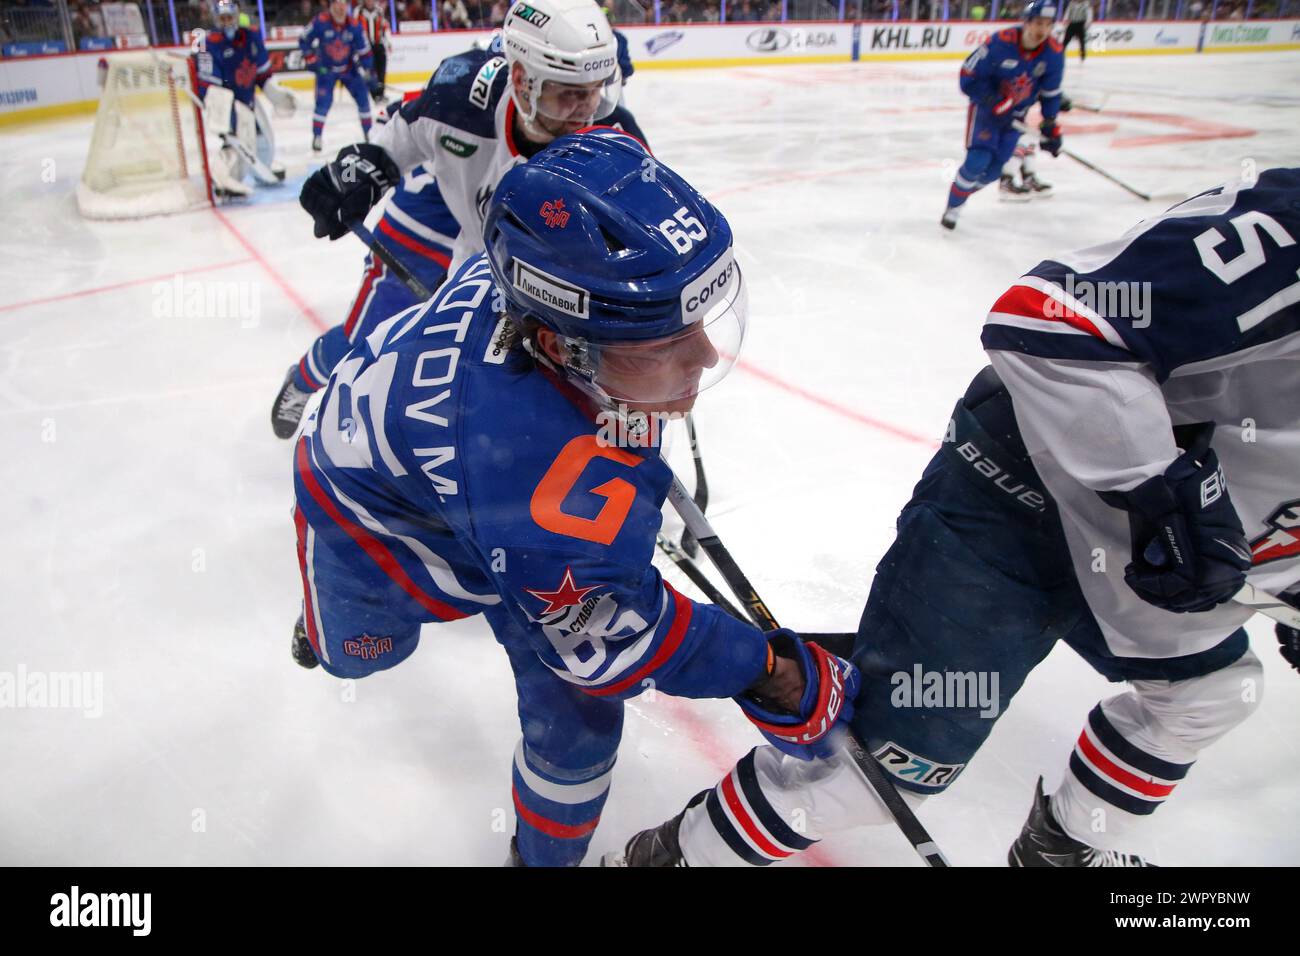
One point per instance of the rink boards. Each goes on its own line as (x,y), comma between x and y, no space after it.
(42,87)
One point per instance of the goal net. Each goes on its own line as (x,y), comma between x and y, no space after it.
(147,154)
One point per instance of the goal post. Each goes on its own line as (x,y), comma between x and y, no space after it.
(147,153)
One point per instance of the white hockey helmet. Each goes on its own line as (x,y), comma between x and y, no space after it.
(564,42)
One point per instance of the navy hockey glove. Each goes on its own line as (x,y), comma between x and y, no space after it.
(1051,136)
(1289,637)
(1189,550)
(830,684)
(343,191)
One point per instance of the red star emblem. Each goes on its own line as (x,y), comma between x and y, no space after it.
(566,595)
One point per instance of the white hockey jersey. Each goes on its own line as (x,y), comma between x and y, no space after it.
(1190,317)
(462,128)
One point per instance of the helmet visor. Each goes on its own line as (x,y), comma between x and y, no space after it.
(666,374)
(575,105)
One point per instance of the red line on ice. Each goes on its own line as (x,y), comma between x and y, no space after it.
(278,279)
(834,406)
(123,285)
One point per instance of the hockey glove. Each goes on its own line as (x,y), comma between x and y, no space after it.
(343,191)
(1051,136)
(830,685)
(376,89)
(1189,550)
(1289,638)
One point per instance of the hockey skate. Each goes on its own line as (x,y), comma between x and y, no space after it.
(1043,843)
(657,847)
(1037,188)
(288,408)
(316,144)
(949,220)
(300,648)
(1011,191)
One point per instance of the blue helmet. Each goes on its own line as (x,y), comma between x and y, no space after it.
(619,256)
(1041,8)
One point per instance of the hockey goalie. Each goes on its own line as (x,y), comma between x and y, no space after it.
(232,64)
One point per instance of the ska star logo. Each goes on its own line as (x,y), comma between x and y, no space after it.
(1282,539)
(245,74)
(566,595)
(1018,88)
(338,50)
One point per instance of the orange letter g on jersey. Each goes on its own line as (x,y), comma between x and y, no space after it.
(559,480)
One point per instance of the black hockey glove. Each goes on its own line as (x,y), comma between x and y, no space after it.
(376,89)
(1289,637)
(343,191)
(1189,550)
(1051,136)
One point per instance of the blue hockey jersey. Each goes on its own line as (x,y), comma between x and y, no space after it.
(240,64)
(475,483)
(338,47)
(1000,68)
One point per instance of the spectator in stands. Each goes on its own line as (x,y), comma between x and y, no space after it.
(742,11)
(455,16)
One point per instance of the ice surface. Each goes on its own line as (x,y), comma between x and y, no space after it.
(148,536)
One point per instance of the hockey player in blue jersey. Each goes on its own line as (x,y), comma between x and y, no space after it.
(1128,461)
(335,48)
(474,129)
(232,65)
(417,229)
(461,463)
(1003,78)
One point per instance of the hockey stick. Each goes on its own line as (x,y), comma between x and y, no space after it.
(1146,197)
(839,643)
(699,526)
(387,258)
(689,544)
(1269,605)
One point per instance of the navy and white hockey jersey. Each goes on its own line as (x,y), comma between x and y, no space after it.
(462,129)
(1192,316)
(469,485)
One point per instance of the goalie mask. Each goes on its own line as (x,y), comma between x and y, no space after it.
(569,62)
(629,267)
(227,16)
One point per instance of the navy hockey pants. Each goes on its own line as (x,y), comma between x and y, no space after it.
(973,594)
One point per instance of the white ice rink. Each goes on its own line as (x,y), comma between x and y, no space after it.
(148,538)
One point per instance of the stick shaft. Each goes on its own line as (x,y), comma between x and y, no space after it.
(387,258)
(699,526)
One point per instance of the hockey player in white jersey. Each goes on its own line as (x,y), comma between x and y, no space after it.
(480,115)
(1128,461)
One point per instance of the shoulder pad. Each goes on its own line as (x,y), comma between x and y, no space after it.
(1010,35)
(216,36)
(1054,45)
(464,93)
